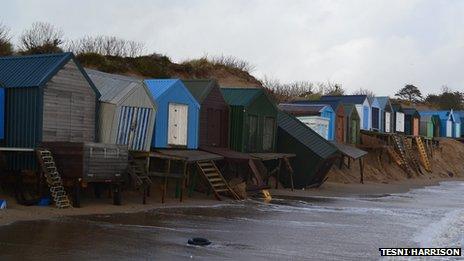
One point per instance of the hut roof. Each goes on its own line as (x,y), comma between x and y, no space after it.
(305,135)
(397,107)
(241,96)
(334,104)
(35,70)
(302,109)
(444,115)
(114,88)
(200,88)
(384,102)
(355,99)
(159,87)
(411,111)
(349,109)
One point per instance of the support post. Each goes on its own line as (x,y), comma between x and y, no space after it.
(361,169)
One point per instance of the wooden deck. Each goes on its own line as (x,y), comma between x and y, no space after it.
(190,156)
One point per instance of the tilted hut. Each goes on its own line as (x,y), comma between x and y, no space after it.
(253,117)
(177,116)
(375,114)
(314,154)
(386,114)
(411,121)
(319,117)
(338,132)
(352,124)
(214,112)
(48,97)
(127,111)
(398,118)
(361,103)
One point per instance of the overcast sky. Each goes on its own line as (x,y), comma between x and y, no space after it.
(379,45)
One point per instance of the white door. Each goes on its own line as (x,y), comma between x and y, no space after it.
(177,124)
(387,122)
(449,129)
(400,122)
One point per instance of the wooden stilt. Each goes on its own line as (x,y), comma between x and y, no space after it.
(361,169)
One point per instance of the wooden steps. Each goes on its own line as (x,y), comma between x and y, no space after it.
(410,154)
(139,174)
(215,180)
(53,178)
(401,155)
(423,157)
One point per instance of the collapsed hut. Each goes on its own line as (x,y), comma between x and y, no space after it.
(48,97)
(411,121)
(386,114)
(398,118)
(177,117)
(361,103)
(314,154)
(375,114)
(214,112)
(127,111)
(319,117)
(253,119)
(352,124)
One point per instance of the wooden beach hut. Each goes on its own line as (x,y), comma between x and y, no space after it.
(361,103)
(48,97)
(386,114)
(429,125)
(398,118)
(375,114)
(352,124)
(447,119)
(253,117)
(127,111)
(314,155)
(177,116)
(214,112)
(319,117)
(411,121)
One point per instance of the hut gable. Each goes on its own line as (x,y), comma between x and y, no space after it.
(69,106)
(253,119)
(214,112)
(314,154)
(127,110)
(177,117)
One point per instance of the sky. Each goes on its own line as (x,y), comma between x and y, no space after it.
(372,44)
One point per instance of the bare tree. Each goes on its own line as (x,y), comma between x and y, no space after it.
(362,91)
(232,62)
(6,48)
(106,45)
(41,37)
(330,88)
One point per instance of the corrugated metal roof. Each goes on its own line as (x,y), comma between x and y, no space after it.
(305,135)
(200,88)
(30,70)
(355,99)
(241,96)
(302,109)
(113,87)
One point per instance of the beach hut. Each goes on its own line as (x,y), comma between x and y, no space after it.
(253,117)
(127,111)
(361,103)
(352,124)
(457,126)
(386,114)
(214,112)
(398,118)
(48,97)
(314,154)
(426,126)
(411,121)
(375,114)
(2,111)
(177,116)
(446,122)
(460,114)
(319,117)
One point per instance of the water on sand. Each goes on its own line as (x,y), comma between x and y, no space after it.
(344,228)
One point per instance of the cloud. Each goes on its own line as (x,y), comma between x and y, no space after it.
(380,45)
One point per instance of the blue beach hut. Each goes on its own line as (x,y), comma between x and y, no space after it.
(457,126)
(386,114)
(361,103)
(375,114)
(177,118)
(305,110)
(447,121)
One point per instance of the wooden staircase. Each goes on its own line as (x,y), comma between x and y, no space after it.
(53,178)
(402,158)
(423,154)
(215,180)
(410,154)
(139,174)
(399,160)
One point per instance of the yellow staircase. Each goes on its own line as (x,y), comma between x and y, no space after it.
(53,178)
(215,180)
(423,154)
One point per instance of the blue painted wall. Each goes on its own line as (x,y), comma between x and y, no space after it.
(329,113)
(366,117)
(2,113)
(173,91)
